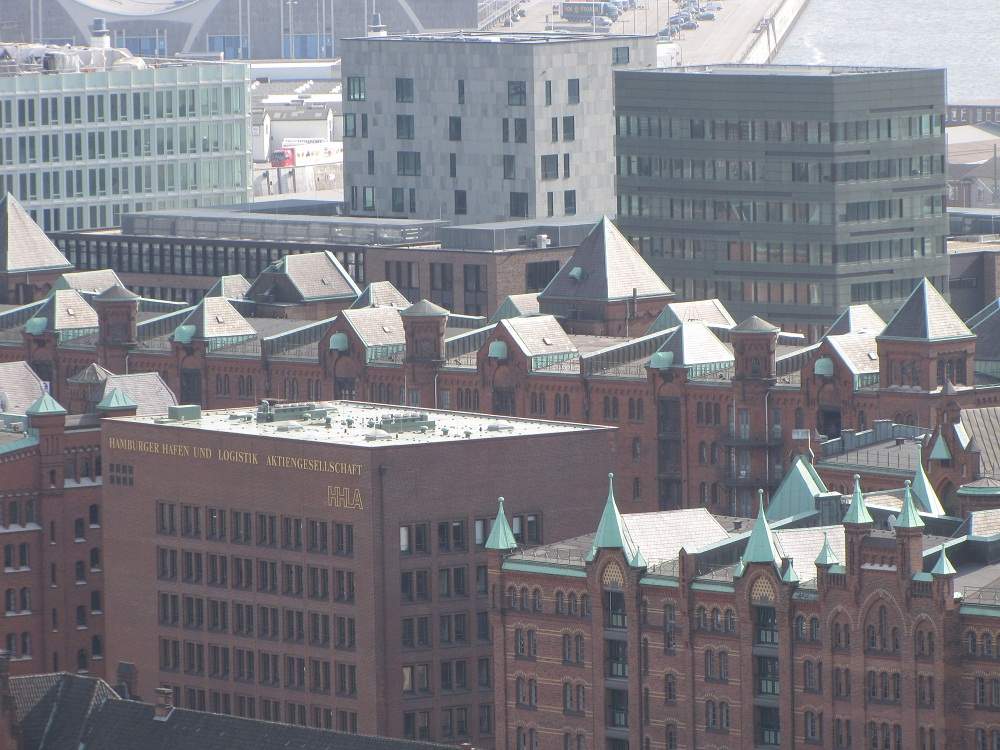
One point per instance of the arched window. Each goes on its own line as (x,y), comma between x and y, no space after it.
(571,603)
(25,599)
(700,412)
(716,619)
(584,605)
(95,601)
(723,715)
(671,736)
(814,629)
(81,616)
(703,493)
(581,704)
(567,645)
(560,603)
(511,598)
(12,645)
(525,603)
(25,644)
(710,718)
(578,643)
(970,643)
(10,600)
(614,408)
(607,407)
(78,532)
(723,666)
(730,621)
(567,697)
(94,515)
(95,558)
(800,628)
(96,647)
(536,600)
(701,619)
(709,664)
(670,687)
(81,660)
(702,453)
(80,571)
(714,453)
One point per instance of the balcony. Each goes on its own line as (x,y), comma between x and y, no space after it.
(617,718)
(746,477)
(767,686)
(740,434)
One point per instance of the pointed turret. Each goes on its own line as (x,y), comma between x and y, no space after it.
(501,536)
(857,513)
(612,533)
(45,404)
(826,556)
(790,576)
(740,568)
(761,547)
(923,492)
(943,566)
(908,516)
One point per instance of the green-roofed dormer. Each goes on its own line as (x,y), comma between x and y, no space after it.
(612,533)
(826,556)
(45,404)
(116,400)
(761,547)
(501,536)
(923,492)
(943,566)
(857,513)
(790,576)
(908,516)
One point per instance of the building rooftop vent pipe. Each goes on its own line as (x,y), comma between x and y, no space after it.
(377,28)
(100,36)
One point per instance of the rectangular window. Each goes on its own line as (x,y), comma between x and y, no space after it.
(517,93)
(550,166)
(548,93)
(453,165)
(520,130)
(404,90)
(461,91)
(555,129)
(404,127)
(619,55)
(398,200)
(550,202)
(506,130)
(569,202)
(519,205)
(569,128)
(508,166)
(350,125)
(355,89)
(573,90)
(566,170)
(454,128)
(408,163)
(460,204)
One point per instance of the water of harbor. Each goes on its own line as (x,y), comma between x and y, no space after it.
(960,35)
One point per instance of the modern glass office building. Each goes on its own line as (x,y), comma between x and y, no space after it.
(88,134)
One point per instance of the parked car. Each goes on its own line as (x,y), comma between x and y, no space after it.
(689,25)
(706,16)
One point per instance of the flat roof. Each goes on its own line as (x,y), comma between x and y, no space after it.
(486,37)
(359,424)
(243,215)
(781,70)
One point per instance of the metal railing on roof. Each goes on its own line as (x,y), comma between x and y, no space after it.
(602,361)
(555,554)
(162,325)
(985,595)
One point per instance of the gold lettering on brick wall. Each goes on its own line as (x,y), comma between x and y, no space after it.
(233,456)
(344,497)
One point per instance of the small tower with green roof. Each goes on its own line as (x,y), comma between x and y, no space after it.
(612,533)
(47,420)
(762,548)
(909,528)
(117,403)
(857,524)
(944,574)
(501,538)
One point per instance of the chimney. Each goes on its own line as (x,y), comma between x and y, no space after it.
(126,680)
(377,28)
(164,704)
(100,36)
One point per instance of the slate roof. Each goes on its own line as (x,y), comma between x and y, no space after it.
(215,317)
(516,306)
(88,281)
(53,709)
(708,311)
(539,335)
(130,725)
(858,351)
(610,268)
(983,426)
(803,546)
(755,324)
(661,535)
(23,244)
(76,712)
(20,387)
(306,277)
(64,309)
(990,309)
(146,389)
(376,326)
(424,309)
(987,330)
(925,316)
(381,294)
(116,293)
(983,522)
(92,373)
(692,344)
(234,286)
(856,319)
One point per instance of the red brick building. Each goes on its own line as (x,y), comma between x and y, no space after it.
(323,564)
(707,410)
(678,629)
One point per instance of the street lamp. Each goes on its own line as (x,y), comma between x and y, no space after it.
(291,27)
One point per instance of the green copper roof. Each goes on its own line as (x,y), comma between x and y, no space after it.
(761,547)
(740,568)
(908,517)
(797,491)
(943,566)
(940,450)
(858,512)
(45,405)
(826,555)
(114,399)
(501,537)
(790,576)
(612,533)
(924,492)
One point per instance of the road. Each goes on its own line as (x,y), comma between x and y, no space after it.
(718,41)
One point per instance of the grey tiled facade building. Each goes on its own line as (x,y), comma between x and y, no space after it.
(788,192)
(481,127)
